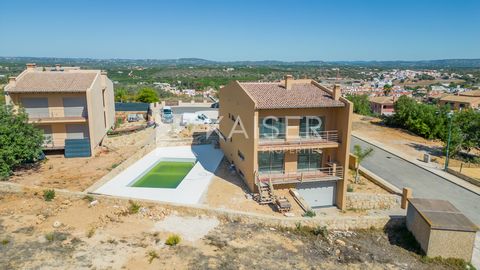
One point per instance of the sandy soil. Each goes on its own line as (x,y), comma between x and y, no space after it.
(79,173)
(68,234)
(364,185)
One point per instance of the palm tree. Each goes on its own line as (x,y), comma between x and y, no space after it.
(361,155)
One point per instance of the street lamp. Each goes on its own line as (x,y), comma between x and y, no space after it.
(449,116)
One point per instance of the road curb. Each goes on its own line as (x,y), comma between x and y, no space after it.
(404,157)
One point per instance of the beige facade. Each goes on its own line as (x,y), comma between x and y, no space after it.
(65,103)
(245,106)
(470,99)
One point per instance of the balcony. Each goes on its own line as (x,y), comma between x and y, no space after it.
(323,139)
(331,173)
(56,116)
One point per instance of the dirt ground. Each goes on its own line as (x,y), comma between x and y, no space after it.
(71,234)
(403,141)
(77,174)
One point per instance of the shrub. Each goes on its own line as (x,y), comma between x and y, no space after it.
(134,207)
(173,240)
(89,198)
(5,242)
(50,236)
(321,230)
(151,256)
(49,194)
(349,188)
(91,232)
(310,213)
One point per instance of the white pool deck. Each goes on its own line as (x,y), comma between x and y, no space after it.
(190,190)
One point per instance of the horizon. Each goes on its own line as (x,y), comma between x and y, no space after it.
(248,30)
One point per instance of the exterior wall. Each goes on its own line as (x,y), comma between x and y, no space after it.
(418,227)
(109,98)
(100,118)
(382,109)
(236,102)
(457,104)
(55,100)
(368,201)
(451,244)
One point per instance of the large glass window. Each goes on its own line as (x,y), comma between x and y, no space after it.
(272,128)
(309,160)
(270,162)
(311,126)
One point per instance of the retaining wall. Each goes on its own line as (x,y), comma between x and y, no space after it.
(368,201)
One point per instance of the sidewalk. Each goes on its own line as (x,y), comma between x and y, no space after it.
(431,167)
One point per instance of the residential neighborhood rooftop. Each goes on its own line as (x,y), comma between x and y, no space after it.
(38,80)
(462,98)
(304,94)
(382,100)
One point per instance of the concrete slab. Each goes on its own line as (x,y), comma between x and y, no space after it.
(189,191)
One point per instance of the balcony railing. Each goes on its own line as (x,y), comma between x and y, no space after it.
(325,137)
(57,115)
(313,175)
(53,144)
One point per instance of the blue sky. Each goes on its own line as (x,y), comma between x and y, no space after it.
(242,29)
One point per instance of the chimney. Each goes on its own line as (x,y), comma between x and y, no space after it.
(12,81)
(288,82)
(337,92)
(31,66)
(57,67)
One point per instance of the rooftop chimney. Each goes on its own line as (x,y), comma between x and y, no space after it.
(12,80)
(31,66)
(288,81)
(57,67)
(337,92)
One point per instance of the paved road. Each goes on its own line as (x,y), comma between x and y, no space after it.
(425,184)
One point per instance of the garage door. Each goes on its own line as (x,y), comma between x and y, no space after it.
(35,107)
(75,106)
(75,131)
(318,194)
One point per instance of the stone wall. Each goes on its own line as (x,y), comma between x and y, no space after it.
(368,201)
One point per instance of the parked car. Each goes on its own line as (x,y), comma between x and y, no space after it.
(167,114)
(215,105)
(194,118)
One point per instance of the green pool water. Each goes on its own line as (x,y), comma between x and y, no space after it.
(166,174)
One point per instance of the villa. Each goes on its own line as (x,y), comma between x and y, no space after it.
(73,107)
(382,105)
(288,134)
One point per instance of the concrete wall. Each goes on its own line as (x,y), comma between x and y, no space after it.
(418,226)
(451,244)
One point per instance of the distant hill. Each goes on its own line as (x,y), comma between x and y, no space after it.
(434,64)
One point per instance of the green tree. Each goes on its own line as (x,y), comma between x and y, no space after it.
(361,104)
(121,95)
(19,141)
(361,155)
(147,95)
(387,89)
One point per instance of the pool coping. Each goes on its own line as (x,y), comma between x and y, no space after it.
(189,191)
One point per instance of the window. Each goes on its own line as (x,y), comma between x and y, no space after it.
(272,128)
(309,160)
(270,162)
(311,126)
(240,155)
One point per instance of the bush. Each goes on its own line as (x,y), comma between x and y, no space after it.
(134,207)
(48,194)
(310,213)
(151,256)
(89,198)
(322,231)
(20,141)
(173,240)
(349,188)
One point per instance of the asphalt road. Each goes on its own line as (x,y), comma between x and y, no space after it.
(424,184)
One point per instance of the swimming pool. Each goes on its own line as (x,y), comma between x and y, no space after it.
(165,174)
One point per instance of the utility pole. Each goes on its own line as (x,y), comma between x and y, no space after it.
(449,115)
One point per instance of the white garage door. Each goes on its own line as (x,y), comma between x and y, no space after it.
(318,194)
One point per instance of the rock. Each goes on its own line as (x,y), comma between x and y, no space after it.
(289,214)
(337,252)
(66,202)
(93,203)
(272,229)
(57,224)
(340,242)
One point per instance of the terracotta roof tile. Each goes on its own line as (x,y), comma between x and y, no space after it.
(302,95)
(53,82)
